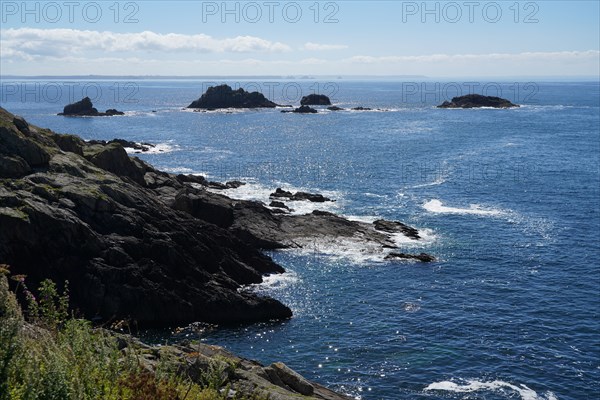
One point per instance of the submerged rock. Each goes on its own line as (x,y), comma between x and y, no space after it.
(85,108)
(224,96)
(477,101)
(423,257)
(315,100)
(335,108)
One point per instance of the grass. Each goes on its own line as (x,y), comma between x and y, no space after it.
(49,355)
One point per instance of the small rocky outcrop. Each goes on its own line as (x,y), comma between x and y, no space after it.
(224,96)
(362,109)
(299,196)
(423,257)
(315,100)
(335,108)
(396,227)
(477,101)
(301,110)
(85,108)
(138,147)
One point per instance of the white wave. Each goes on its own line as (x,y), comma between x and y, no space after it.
(276,282)
(499,386)
(356,249)
(178,170)
(159,148)
(141,113)
(436,182)
(259,192)
(436,206)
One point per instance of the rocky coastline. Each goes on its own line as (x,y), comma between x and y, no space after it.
(158,249)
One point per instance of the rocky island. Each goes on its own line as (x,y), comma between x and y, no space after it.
(477,101)
(315,100)
(85,108)
(223,96)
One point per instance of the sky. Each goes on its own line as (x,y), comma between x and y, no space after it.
(292,38)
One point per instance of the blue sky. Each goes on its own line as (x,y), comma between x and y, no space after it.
(437,39)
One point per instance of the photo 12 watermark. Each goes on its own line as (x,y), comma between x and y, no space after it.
(438,92)
(454,12)
(253,12)
(55,12)
(65,92)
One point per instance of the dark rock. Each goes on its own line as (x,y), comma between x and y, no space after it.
(234,184)
(279,204)
(362,109)
(200,180)
(476,101)
(15,143)
(396,227)
(70,143)
(315,198)
(299,196)
(112,111)
(315,100)
(279,192)
(335,108)
(206,206)
(305,110)
(217,185)
(224,96)
(21,124)
(114,158)
(424,257)
(291,379)
(13,167)
(85,108)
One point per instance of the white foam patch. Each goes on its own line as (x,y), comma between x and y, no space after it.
(276,282)
(438,181)
(503,387)
(358,250)
(160,148)
(436,206)
(259,192)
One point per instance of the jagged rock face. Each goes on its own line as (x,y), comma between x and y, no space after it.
(124,250)
(477,101)
(224,96)
(315,100)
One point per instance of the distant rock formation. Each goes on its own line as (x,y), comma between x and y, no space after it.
(85,108)
(301,110)
(477,101)
(335,108)
(315,100)
(224,96)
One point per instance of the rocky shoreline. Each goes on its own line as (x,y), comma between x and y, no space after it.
(139,243)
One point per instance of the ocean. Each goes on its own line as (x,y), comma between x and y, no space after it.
(508,201)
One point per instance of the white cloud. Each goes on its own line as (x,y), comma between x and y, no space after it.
(323,47)
(30,43)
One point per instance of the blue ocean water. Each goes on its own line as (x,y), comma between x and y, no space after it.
(507,200)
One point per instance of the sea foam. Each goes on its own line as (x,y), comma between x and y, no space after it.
(499,386)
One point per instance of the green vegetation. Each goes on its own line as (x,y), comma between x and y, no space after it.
(50,355)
